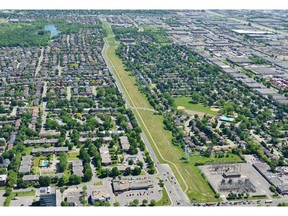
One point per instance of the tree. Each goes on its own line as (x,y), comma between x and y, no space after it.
(144,202)
(104,172)
(87,175)
(114,172)
(8,191)
(74,179)
(136,171)
(140,164)
(64,203)
(21,183)
(63,180)
(135,202)
(127,171)
(272,189)
(63,164)
(130,162)
(151,170)
(116,203)
(12,178)
(152,202)
(44,181)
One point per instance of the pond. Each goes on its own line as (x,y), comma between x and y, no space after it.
(52,29)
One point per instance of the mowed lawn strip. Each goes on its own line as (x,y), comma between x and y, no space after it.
(23,193)
(198,188)
(129,81)
(165,200)
(184,101)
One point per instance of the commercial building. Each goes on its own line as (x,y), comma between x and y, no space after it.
(125,184)
(278,180)
(99,195)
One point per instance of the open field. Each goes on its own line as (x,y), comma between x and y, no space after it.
(198,188)
(185,102)
(164,201)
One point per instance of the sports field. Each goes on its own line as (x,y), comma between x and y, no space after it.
(185,102)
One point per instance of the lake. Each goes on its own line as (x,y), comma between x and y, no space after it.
(52,29)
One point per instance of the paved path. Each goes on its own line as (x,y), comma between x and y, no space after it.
(39,62)
(93,90)
(68,41)
(143,108)
(2,197)
(68,93)
(140,29)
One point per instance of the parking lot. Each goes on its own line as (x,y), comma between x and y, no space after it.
(23,201)
(129,196)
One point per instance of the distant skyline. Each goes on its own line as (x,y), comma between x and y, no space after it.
(145,4)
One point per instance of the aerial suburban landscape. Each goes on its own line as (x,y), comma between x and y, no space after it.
(143,108)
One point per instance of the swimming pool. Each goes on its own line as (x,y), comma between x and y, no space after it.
(45,163)
(226,118)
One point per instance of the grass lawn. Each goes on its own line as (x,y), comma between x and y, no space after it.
(165,200)
(185,102)
(250,198)
(28,150)
(23,193)
(72,155)
(36,163)
(204,160)
(198,189)
(100,183)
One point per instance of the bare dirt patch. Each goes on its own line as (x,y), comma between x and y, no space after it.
(215,109)
(180,108)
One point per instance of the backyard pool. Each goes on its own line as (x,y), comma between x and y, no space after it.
(227,118)
(45,163)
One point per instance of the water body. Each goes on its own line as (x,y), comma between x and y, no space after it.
(53,30)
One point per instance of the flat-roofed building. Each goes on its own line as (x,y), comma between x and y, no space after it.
(3,179)
(51,150)
(105,155)
(31,178)
(77,168)
(41,141)
(124,143)
(125,184)
(99,195)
